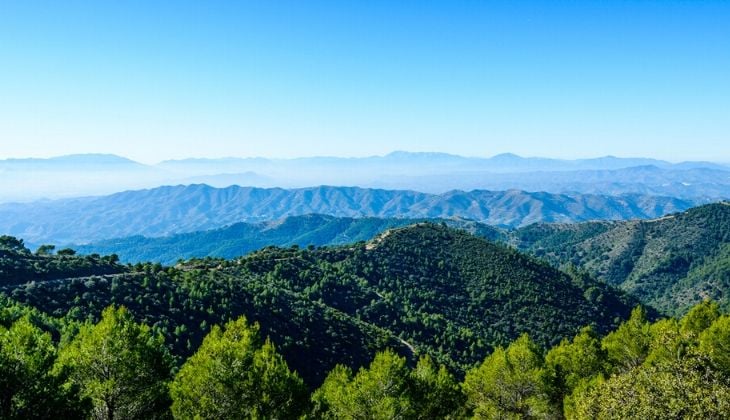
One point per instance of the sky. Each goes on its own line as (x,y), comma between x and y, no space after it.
(154,80)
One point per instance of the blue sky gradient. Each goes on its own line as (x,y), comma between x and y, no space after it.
(153,80)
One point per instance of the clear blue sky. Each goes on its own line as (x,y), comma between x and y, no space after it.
(153,80)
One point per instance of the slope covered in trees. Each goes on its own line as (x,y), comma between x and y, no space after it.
(424,289)
(670,263)
(117,368)
(242,238)
(19,265)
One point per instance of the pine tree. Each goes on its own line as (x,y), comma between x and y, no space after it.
(121,366)
(234,376)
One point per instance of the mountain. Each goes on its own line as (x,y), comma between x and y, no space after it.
(242,238)
(421,289)
(169,210)
(696,183)
(74,175)
(671,263)
(69,162)
(436,173)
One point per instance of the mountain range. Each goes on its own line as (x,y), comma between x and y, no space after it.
(98,174)
(178,209)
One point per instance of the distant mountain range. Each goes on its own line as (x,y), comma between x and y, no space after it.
(98,174)
(169,210)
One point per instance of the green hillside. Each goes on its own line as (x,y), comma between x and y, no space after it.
(670,263)
(425,289)
(241,238)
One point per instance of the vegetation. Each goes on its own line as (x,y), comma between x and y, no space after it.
(421,322)
(670,263)
(121,366)
(242,238)
(232,376)
(425,289)
(681,373)
(18,265)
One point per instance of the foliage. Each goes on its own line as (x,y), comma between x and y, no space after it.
(510,383)
(29,388)
(685,389)
(573,364)
(671,263)
(121,366)
(18,265)
(425,289)
(628,346)
(234,376)
(388,389)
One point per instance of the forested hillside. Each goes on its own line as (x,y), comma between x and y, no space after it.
(670,263)
(425,289)
(241,238)
(118,368)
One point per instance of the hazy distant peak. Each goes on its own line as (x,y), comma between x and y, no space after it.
(82,158)
(401,154)
(506,156)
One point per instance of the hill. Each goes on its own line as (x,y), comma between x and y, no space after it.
(423,289)
(242,238)
(168,210)
(672,262)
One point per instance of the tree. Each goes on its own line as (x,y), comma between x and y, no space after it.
(571,364)
(234,376)
(28,388)
(628,346)
(13,244)
(700,317)
(436,394)
(45,250)
(715,344)
(67,252)
(121,366)
(382,391)
(672,390)
(510,384)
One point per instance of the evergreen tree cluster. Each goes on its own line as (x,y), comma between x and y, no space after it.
(121,369)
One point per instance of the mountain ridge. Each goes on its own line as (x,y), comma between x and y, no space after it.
(100,174)
(179,209)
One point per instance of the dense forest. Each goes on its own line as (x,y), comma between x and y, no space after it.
(242,238)
(424,289)
(424,321)
(670,263)
(118,368)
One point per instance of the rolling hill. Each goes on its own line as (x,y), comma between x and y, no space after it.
(671,262)
(420,289)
